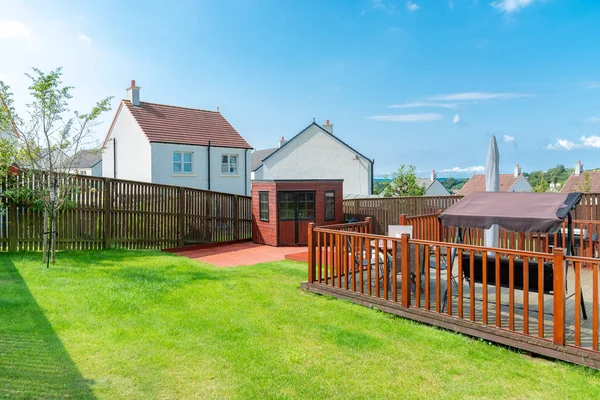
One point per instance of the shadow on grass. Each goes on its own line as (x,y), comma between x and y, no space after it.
(33,361)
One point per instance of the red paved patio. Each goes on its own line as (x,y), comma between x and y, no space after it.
(237,254)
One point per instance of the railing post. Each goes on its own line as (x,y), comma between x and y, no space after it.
(181,216)
(405,254)
(402,219)
(311,253)
(12,227)
(440,230)
(559,296)
(107,215)
(369,225)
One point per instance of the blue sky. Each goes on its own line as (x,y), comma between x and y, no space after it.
(423,82)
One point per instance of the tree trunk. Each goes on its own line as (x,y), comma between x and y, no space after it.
(53,236)
(44,230)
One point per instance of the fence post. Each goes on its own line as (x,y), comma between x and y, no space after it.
(311,253)
(405,254)
(236,220)
(12,227)
(559,296)
(107,215)
(181,216)
(369,224)
(402,219)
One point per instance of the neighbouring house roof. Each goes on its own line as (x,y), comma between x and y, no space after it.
(258,156)
(180,125)
(86,159)
(576,183)
(287,143)
(477,183)
(425,182)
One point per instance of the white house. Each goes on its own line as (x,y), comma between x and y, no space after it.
(316,153)
(515,182)
(433,187)
(176,146)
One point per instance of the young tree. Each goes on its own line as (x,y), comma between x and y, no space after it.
(404,182)
(48,138)
(586,185)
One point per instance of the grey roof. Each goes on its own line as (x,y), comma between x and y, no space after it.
(349,196)
(86,158)
(425,182)
(258,156)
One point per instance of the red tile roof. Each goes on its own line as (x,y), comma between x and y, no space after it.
(576,183)
(477,183)
(172,124)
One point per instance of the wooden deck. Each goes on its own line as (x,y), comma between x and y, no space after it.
(550,324)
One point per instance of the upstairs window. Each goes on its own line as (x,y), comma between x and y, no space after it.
(264,206)
(229,164)
(329,206)
(182,162)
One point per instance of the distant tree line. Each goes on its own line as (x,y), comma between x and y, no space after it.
(540,180)
(453,185)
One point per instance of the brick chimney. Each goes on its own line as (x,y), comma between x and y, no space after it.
(328,127)
(282,141)
(133,94)
(578,168)
(517,172)
(433,175)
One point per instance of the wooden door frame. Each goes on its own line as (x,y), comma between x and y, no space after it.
(296,212)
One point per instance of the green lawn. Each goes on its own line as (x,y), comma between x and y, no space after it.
(132,324)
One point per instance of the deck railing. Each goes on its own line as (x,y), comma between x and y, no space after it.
(540,295)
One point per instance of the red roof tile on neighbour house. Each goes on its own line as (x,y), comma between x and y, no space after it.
(477,183)
(576,183)
(180,125)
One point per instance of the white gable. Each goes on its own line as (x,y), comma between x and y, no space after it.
(316,154)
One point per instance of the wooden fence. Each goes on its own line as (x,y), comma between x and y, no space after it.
(116,213)
(387,210)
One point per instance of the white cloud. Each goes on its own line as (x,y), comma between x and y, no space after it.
(509,138)
(585,142)
(509,6)
(411,7)
(593,120)
(563,144)
(476,168)
(456,119)
(378,4)
(13,29)
(591,85)
(419,104)
(590,141)
(475,96)
(85,39)
(407,117)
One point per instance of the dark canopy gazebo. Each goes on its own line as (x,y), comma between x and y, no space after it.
(517,212)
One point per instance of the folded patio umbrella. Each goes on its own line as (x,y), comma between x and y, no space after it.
(518,212)
(492,184)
